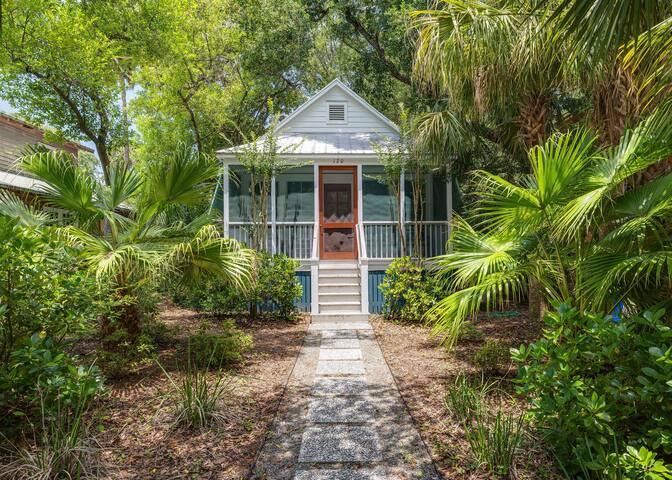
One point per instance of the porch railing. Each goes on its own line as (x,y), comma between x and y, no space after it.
(382,239)
(294,239)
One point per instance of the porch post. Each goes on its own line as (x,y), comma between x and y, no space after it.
(225,199)
(363,262)
(273,219)
(449,206)
(314,261)
(402,209)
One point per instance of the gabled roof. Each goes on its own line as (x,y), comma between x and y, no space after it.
(300,142)
(330,86)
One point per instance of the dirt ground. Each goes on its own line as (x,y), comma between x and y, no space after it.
(134,419)
(424,370)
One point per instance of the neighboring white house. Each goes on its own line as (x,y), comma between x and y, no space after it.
(332,212)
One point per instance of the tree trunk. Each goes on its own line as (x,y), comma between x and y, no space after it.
(537,305)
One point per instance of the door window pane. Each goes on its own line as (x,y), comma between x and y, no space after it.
(337,197)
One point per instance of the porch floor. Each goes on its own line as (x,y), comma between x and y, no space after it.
(342,416)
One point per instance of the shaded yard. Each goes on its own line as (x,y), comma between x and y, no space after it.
(424,371)
(138,439)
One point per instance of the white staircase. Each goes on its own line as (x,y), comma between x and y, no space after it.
(339,288)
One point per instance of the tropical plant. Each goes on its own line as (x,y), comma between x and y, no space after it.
(571,226)
(219,349)
(593,383)
(120,228)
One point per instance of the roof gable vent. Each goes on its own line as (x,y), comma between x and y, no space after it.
(337,112)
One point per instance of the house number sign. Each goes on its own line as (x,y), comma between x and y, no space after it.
(337,161)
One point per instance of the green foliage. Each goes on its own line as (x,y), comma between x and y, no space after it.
(219,349)
(409,290)
(198,397)
(492,357)
(275,290)
(599,386)
(494,438)
(572,229)
(43,289)
(133,251)
(41,376)
(469,332)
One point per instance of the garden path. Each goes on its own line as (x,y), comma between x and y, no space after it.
(342,416)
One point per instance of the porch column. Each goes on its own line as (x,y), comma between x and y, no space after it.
(402,209)
(225,199)
(273,217)
(363,262)
(314,265)
(449,206)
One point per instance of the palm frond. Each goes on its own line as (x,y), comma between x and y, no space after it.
(67,186)
(28,216)
(447,316)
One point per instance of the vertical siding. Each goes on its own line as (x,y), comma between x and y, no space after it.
(304,303)
(375,296)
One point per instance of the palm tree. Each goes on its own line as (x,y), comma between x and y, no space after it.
(123,231)
(571,227)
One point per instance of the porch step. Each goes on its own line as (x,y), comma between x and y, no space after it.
(339,288)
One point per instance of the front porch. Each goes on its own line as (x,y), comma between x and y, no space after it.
(329,215)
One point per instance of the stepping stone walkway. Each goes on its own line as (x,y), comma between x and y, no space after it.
(342,417)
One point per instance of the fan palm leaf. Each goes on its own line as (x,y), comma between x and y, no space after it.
(12,206)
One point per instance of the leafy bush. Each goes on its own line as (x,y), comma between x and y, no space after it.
(129,355)
(42,289)
(275,290)
(598,386)
(492,356)
(469,332)
(408,290)
(39,375)
(224,348)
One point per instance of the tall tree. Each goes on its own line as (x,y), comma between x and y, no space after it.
(60,61)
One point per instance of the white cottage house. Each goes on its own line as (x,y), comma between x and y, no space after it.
(332,212)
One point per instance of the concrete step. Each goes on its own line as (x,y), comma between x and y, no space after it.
(336,317)
(338,277)
(352,288)
(337,271)
(340,308)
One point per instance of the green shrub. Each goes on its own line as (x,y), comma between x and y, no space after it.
(598,386)
(42,288)
(40,376)
(161,334)
(409,290)
(223,348)
(275,291)
(492,357)
(469,332)
(128,356)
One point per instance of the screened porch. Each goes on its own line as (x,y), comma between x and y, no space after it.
(294,226)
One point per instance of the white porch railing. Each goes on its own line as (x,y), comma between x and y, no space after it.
(294,239)
(382,239)
(375,240)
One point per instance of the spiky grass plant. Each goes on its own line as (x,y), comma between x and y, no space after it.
(494,438)
(62,447)
(198,398)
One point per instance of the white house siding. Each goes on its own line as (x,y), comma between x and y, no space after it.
(359,119)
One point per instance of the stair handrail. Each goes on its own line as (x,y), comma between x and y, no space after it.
(315,249)
(361,242)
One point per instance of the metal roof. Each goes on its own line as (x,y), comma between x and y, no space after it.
(20,181)
(298,144)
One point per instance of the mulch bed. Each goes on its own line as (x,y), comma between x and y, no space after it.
(423,371)
(137,435)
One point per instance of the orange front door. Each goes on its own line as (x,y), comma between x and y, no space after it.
(338,213)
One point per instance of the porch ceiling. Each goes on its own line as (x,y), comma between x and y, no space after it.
(307,144)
